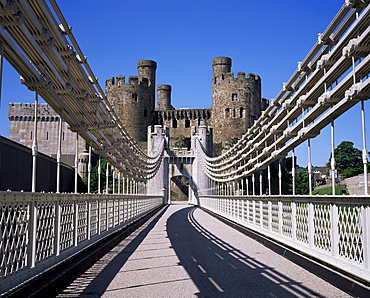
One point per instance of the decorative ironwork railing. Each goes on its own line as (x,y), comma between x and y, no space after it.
(38,231)
(333,229)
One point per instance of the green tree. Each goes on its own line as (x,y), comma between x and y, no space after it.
(95,176)
(348,160)
(301,182)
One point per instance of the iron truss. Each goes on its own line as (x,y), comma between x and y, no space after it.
(37,41)
(332,78)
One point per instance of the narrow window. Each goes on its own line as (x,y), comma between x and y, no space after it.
(241,113)
(31,134)
(187,123)
(63,135)
(234,113)
(145,113)
(234,97)
(174,123)
(134,97)
(227,113)
(47,135)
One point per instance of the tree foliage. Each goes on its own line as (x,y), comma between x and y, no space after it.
(348,160)
(301,182)
(95,176)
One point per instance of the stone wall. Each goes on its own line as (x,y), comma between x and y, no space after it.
(355,185)
(133,102)
(236,101)
(22,117)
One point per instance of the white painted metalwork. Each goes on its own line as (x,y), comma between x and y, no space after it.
(333,229)
(306,104)
(39,231)
(40,46)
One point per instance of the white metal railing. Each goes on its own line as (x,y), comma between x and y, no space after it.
(38,231)
(334,229)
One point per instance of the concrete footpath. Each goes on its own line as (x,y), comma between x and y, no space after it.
(185,252)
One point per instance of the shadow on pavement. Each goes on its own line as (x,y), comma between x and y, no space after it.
(96,280)
(220,270)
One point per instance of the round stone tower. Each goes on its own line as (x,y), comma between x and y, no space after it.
(236,102)
(134,101)
(221,65)
(164,97)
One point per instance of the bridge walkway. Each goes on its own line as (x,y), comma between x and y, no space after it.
(185,252)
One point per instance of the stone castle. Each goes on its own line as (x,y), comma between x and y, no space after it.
(236,104)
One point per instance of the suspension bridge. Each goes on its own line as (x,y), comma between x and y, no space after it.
(41,232)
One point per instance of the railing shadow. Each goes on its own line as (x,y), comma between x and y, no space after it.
(220,270)
(95,281)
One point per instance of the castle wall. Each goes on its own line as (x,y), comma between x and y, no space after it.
(134,101)
(236,101)
(181,122)
(22,117)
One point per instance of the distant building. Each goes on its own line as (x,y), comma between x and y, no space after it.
(236,104)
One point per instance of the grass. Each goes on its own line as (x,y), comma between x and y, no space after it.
(339,190)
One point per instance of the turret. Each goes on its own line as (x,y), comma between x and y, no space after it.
(146,69)
(134,101)
(221,65)
(164,97)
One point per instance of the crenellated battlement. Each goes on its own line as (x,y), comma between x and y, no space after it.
(26,112)
(120,82)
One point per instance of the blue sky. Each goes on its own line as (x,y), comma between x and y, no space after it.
(267,38)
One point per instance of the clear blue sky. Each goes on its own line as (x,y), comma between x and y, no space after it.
(267,38)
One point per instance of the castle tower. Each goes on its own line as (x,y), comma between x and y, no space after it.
(164,97)
(221,65)
(236,102)
(134,101)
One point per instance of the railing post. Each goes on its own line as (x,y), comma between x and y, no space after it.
(88,220)
(311,224)
(261,214)
(294,221)
(99,215)
(107,214)
(334,229)
(32,226)
(254,211)
(366,234)
(57,228)
(75,223)
(269,205)
(280,217)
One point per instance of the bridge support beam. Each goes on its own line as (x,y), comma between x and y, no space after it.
(160,182)
(34,145)
(200,181)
